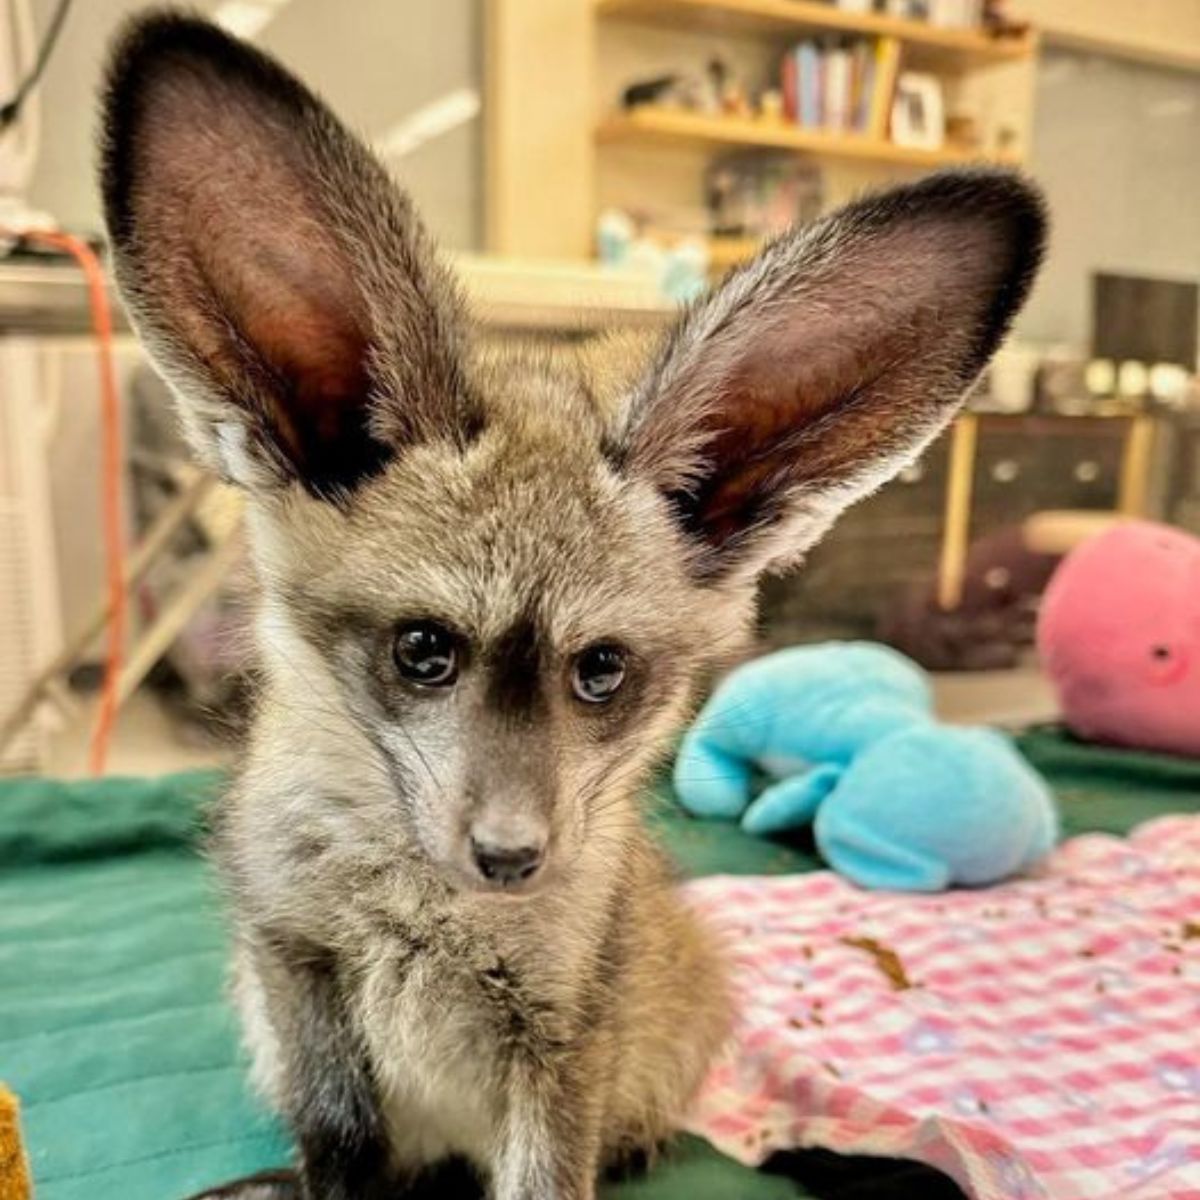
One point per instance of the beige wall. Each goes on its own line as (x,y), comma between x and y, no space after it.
(377,61)
(1161,30)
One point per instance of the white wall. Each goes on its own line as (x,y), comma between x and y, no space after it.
(374,60)
(1117,147)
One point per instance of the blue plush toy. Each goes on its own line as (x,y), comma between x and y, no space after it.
(847,732)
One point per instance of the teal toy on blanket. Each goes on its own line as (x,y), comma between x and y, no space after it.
(846,733)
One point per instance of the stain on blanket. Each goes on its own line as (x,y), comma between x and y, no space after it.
(886,959)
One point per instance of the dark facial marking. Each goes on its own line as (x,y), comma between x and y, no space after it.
(514,672)
(358,648)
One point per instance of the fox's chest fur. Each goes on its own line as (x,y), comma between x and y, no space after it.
(442,1038)
(438,1091)
(433,1059)
(448,1006)
(452,995)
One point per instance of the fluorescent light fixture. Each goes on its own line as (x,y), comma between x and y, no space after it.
(247,18)
(429,122)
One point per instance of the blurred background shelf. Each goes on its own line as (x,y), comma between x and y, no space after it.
(657,125)
(725,252)
(926,44)
(590,155)
(521,295)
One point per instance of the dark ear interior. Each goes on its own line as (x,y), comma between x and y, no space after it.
(278,276)
(817,371)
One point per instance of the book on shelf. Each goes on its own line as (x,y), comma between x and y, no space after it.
(788,84)
(808,84)
(862,77)
(837,88)
(844,85)
(886,74)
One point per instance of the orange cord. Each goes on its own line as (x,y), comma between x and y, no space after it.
(114,541)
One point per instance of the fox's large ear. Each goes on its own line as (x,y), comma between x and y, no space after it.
(818,370)
(278,277)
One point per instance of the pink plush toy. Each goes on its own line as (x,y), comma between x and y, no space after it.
(1119,634)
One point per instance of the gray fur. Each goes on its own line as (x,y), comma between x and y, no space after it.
(400,1009)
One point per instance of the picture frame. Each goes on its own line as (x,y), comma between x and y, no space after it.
(919,111)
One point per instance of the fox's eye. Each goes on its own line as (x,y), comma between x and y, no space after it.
(599,671)
(426,653)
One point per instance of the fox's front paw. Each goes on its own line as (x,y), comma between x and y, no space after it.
(267,1185)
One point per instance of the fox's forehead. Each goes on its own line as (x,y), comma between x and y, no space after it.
(529,522)
(578,388)
(515,379)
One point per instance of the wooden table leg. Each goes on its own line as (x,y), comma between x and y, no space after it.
(956,527)
(1134,489)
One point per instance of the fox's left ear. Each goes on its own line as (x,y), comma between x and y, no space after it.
(817,371)
(280,280)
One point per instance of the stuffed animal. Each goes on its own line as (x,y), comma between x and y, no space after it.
(14,1167)
(1119,635)
(846,732)
(994,620)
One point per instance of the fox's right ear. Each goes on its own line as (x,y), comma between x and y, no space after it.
(279,278)
(818,370)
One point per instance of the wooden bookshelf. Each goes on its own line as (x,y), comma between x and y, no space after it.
(726,251)
(680,127)
(925,44)
(587,156)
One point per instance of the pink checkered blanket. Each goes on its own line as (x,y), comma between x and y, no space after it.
(1037,1039)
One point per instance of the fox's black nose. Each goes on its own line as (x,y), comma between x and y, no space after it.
(506,864)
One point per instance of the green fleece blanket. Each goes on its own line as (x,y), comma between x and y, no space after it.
(115,1033)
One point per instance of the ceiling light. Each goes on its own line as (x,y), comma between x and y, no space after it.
(430,121)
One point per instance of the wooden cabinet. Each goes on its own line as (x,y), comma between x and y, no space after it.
(916,533)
